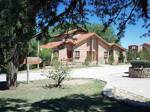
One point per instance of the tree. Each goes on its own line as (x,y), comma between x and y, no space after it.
(15,32)
(19,19)
(122,12)
(108,35)
(132,55)
(32,49)
(144,55)
(46,55)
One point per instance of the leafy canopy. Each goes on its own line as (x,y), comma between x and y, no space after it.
(108,35)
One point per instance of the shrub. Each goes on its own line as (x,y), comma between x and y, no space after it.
(54,59)
(140,64)
(121,58)
(111,59)
(87,61)
(144,55)
(58,73)
(132,56)
(45,55)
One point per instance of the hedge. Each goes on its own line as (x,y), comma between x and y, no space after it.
(140,63)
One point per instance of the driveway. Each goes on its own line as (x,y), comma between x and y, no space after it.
(114,75)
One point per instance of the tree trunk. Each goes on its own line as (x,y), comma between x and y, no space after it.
(11,76)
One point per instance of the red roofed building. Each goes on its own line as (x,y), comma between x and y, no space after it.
(146,46)
(77,45)
(138,48)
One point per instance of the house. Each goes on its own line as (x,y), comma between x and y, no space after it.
(77,45)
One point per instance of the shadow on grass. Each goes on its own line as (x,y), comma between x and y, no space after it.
(126,72)
(72,103)
(12,105)
(3,85)
(82,103)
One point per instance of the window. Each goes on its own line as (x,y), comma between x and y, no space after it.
(77,54)
(105,54)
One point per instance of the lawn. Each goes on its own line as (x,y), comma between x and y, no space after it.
(71,97)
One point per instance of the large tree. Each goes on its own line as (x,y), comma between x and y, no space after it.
(108,35)
(122,13)
(19,19)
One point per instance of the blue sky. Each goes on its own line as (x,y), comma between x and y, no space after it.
(132,33)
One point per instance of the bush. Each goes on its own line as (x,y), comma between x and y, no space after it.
(111,59)
(58,73)
(87,61)
(45,55)
(140,64)
(132,56)
(144,55)
(54,59)
(121,58)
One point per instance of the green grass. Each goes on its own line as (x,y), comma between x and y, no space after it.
(36,97)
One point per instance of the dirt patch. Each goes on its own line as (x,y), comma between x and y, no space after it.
(76,82)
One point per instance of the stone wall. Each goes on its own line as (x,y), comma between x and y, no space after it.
(139,72)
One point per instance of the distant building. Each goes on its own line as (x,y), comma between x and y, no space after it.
(146,46)
(136,48)
(133,48)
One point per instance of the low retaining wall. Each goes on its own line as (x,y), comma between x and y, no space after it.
(139,72)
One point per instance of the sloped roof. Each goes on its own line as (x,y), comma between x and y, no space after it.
(71,32)
(86,36)
(77,39)
(51,45)
(116,45)
(148,44)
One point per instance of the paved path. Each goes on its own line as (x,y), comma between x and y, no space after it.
(115,75)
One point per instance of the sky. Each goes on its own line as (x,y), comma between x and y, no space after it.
(132,33)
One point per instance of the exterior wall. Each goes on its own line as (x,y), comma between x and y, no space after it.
(69,46)
(62,54)
(87,45)
(83,48)
(140,48)
(116,55)
(101,49)
(125,56)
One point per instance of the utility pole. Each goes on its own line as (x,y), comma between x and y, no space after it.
(38,51)
(28,70)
